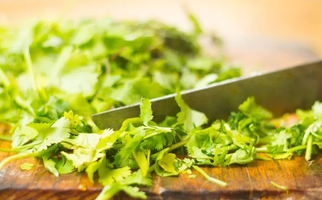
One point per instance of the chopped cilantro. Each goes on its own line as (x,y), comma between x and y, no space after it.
(26,166)
(279,186)
(55,75)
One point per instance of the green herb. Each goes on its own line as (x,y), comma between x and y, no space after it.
(279,186)
(5,137)
(211,179)
(55,75)
(192,176)
(26,166)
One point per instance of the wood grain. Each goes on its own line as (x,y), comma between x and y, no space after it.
(303,179)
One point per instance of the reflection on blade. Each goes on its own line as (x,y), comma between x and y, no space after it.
(279,91)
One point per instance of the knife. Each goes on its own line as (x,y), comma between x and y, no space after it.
(279,91)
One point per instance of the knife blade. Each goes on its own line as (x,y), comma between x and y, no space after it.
(279,91)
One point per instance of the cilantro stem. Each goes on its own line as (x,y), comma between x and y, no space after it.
(101,79)
(151,169)
(127,122)
(316,135)
(156,132)
(26,55)
(261,149)
(27,146)
(33,81)
(61,61)
(6,137)
(25,155)
(279,186)
(297,148)
(177,145)
(8,150)
(17,156)
(262,158)
(13,128)
(307,133)
(308,152)
(209,178)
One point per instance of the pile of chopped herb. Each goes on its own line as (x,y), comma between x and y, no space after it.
(55,75)
(89,66)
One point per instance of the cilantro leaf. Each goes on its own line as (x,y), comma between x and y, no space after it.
(251,109)
(137,178)
(121,63)
(146,111)
(165,163)
(189,117)
(123,156)
(108,176)
(50,164)
(143,161)
(64,166)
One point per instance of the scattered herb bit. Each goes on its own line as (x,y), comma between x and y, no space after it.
(211,179)
(5,137)
(26,166)
(192,176)
(279,186)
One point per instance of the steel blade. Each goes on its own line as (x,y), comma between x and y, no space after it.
(279,91)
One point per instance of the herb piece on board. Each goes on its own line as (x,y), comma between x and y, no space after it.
(279,186)
(26,166)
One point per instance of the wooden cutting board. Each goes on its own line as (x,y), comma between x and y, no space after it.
(252,181)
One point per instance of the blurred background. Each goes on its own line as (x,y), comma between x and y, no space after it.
(266,34)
